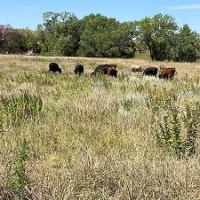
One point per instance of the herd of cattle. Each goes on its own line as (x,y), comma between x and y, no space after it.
(111,70)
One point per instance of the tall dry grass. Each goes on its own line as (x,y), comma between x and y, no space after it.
(97,137)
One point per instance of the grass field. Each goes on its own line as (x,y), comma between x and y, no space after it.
(69,137)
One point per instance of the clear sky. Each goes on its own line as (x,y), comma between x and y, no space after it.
(28,13)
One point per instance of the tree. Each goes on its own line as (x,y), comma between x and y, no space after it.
(64,46)
(186,45)
(157,33)
(16,40)
(95,27)
(58,28)
(119,42)
(4,37)
(106,37)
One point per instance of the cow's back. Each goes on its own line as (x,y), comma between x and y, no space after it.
(167,73)
(53,67)
(150,71)
(104,68)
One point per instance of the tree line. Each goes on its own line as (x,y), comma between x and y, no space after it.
(95,35)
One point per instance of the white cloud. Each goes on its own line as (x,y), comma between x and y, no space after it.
(185,7)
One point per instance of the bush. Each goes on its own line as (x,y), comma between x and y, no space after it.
(186,45)
(170,133)
(191,120)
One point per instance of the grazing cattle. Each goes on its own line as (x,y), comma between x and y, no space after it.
(53,67)
(104,69)
(79,69)
(112,72)
(150,71)
(136,68)
(167,73)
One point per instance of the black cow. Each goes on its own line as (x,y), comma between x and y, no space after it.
(104,69)
(79,69)
(53,67)
(150,71)
(112,72)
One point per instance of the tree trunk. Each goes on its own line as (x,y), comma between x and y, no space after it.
(152,52)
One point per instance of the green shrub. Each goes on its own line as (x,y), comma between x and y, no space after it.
(191,121)
(169,133)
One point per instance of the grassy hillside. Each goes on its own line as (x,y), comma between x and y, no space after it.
(69,137)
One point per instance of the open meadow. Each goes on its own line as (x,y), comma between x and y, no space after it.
(84,137)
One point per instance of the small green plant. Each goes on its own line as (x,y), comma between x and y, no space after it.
(169,134)
(191,121)
(19,182)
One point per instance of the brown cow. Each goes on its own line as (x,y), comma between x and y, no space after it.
(167,73)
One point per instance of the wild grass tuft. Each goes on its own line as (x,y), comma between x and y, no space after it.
(17,108)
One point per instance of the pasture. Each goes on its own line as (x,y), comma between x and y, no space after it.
(64,136)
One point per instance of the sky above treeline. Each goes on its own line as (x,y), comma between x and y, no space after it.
(28,13)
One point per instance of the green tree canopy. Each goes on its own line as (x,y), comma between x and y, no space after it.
(157,33)
(96,35)
(60,33)
(186,45)
(106,37)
